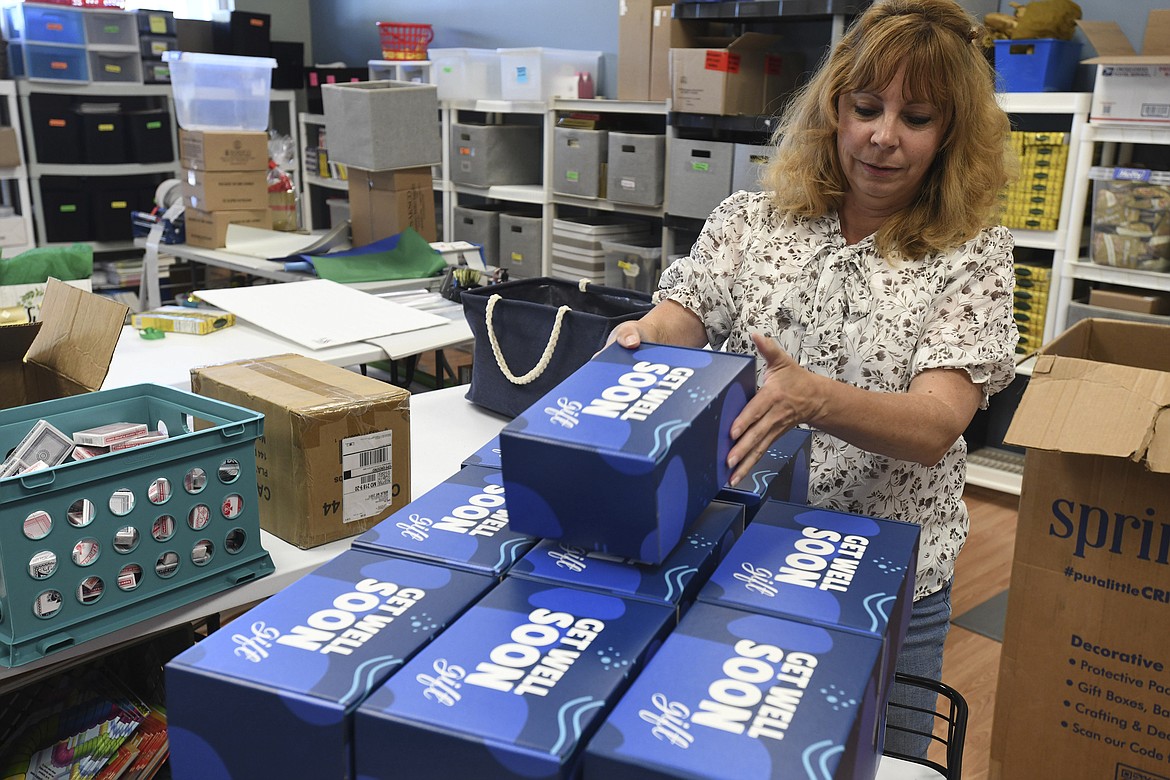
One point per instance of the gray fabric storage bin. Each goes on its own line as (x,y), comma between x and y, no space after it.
(748,165)
(700,176)
(521,244)
(479,225)
(635,168)
(577,161)
(486,155)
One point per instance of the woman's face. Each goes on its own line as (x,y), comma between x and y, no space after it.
(886,146)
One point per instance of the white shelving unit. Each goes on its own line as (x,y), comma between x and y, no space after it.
(36,169)
(1116,145)
(14,188)
(311,182)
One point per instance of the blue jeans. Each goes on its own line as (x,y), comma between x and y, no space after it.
(922,655)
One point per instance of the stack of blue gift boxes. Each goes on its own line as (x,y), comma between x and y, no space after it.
(587,597)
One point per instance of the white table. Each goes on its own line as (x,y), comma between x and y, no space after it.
(168,361)
(445,428)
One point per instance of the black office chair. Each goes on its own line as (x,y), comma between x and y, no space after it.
(951,708)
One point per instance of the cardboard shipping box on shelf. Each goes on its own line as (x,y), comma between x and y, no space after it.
(206,150)
(9,148)
(67,352)
(747,75)
(1085,670)
(224,190)
(635,19)
(1131,88)
(334,459)
(384,203)
(209,228)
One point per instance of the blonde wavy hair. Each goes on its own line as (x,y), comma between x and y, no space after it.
(936,41)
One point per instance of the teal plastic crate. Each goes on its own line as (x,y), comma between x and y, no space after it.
(91,546)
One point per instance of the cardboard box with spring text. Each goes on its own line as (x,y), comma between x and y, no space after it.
(301,662)
(1085,667)
(334,459)
(1131,88)
(624,454)
(224,190)
(384,203)
(746,76)
(66,353)
(205,150)
(209,228)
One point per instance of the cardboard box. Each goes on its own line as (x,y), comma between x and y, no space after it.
(667,33)
(1130,89)
(205,150)
(673,583)
(732,695)
(301,662)
(650,424)
(384,203)
(1084,671)
(511,689)
(209,228)
(745,76)
(66,353)
(635,22)
(1140,302)
(9,148)
(829,568)
(461,523)
(225,190)
(383,125)
(335,456)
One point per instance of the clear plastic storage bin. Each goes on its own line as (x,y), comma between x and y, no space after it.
(542,74)
(466,74)
(220,91)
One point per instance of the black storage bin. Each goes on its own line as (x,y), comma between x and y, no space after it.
(242,32)
(289,72)
(103,137)
(113,198)
(65,202)
(56,130)
(150,135)
(151,22)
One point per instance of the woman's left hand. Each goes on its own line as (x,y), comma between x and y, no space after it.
(786,398)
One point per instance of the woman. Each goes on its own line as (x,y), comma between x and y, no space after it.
(874,285)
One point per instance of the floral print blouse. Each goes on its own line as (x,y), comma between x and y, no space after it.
(845,312)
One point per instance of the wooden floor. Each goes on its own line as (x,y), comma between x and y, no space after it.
(970,660)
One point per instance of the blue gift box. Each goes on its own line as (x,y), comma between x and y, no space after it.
(487,456)
(734,695)
(512,689)
(622,455)
(781,473)
(674,582)
(273,693)
(832,568)
(462,522)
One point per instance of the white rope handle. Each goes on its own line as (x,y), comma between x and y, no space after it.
(545,358)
